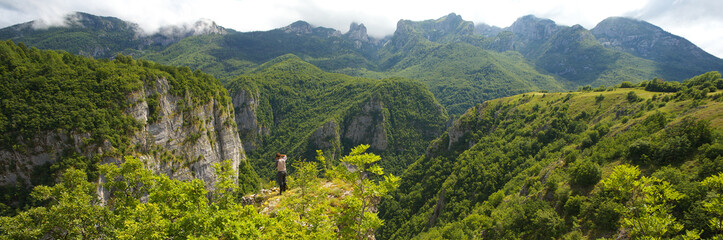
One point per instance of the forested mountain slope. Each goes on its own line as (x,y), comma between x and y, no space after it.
(290,106)
(61,110)
(635,161)
(459,74)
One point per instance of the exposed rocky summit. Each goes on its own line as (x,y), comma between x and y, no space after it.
(358,32)
(304,28)
(533,28)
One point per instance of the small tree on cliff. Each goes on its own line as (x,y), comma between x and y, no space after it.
(354,169)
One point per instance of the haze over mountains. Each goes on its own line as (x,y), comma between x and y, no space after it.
(531,54)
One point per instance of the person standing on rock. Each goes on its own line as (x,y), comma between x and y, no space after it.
(281,171)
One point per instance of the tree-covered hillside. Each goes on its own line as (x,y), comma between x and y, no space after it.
(461,75)
(296,108)
(61,110)
(47,91)
(637,161)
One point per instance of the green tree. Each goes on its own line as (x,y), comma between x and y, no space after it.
(354,169)
(714,203)
(648,202)
(73,212)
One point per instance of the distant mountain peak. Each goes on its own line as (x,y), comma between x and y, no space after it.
(200,27)
(84,20)
(648,41)
(449,28)
(358,32)
(452,17)
(304,28)
(532,27)
(298,27)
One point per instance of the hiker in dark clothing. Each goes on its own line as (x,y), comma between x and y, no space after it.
(281,171)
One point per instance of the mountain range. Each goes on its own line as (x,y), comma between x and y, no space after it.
(450,55)
(482,123)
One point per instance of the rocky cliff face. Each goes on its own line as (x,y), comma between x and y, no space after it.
(358,34)
(178,137)
(533,28)
(641,38)
(171,34)
(192,136)
(246,105)
(304,28)
(327,139)
(367,126)
(528,33)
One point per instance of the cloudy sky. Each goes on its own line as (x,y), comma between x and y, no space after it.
(700,21)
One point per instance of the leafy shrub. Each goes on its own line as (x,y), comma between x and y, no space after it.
(627,84)
(573,205)
(632,97)
(607,215)
(585,173)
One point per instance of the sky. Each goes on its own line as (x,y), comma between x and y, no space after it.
(699,21)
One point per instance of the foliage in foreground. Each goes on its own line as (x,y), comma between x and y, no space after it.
(139,204)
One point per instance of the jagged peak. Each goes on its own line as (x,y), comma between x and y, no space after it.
(357,32)
(357,27)
(527,19)
(201,27)
(298,27)
(452,17)
(302,28)
(533,27)
(449,28)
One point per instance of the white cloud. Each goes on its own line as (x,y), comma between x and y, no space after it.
(696,20)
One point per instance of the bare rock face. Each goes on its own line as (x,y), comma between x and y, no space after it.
(327,138)
(18,164)
(246,104)
(200,136)
(368,127)
(358,32)
(459,128)
(178,138)
(303,28)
